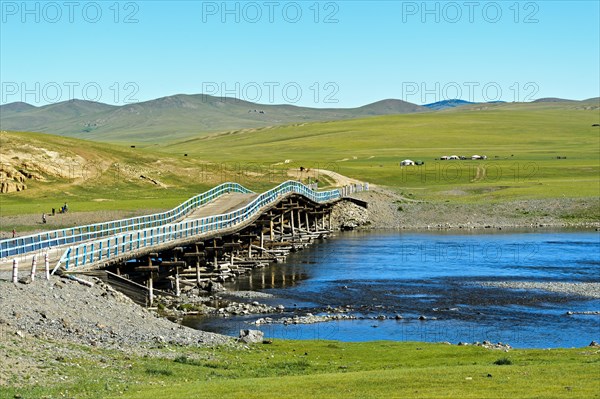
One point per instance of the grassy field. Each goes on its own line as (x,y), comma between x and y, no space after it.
(522,143)
(325,369)
(92,176)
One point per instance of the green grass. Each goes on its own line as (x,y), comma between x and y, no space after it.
(326,369)
(522,142)
(112,177)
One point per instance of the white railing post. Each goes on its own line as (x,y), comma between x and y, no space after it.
(47,265)
(33,267)
(15,271)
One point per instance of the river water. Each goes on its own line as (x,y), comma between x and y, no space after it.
(441,276)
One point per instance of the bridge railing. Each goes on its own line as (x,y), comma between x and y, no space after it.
(39,241)
(119,244)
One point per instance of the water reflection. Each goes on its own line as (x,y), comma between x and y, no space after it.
(270,277)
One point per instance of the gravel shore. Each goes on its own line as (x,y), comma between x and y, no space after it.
(45,322)
(388,210)
(61,309)
(591,290)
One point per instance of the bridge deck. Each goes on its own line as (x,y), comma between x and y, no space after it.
(225,203)
(232,207)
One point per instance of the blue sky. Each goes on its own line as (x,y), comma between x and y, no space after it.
(310,53)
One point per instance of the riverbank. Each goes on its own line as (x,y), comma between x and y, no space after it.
(296,369)
(389,210)
(59,338)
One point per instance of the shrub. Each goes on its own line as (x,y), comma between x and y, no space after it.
(503,361)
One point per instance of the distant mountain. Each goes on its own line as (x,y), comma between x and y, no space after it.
(552,100)
(444,104)
(390,106)
(15,107)
(181,116)
(174,117)
(26,117)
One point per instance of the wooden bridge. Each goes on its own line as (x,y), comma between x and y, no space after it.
(211,237)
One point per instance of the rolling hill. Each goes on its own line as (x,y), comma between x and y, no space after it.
(534,150)
(439,105)
(174,117)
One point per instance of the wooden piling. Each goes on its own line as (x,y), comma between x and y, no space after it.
(262,242)
(177,286)
(215,255)
(150,290)
(292,223)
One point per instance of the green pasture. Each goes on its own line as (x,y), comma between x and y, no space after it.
(325,369)
(522,142)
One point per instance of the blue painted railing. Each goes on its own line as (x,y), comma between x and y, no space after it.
(115,246)
(36,242)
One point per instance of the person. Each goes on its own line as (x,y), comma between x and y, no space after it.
(53,211)
(66,208)
(14,233)
(43,218)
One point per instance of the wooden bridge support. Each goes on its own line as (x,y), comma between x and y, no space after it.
(290,225)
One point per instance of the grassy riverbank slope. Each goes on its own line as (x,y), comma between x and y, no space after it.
(299,369)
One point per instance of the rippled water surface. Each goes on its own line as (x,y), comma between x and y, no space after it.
(438,275)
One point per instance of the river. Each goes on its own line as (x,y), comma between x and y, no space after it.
(447,277)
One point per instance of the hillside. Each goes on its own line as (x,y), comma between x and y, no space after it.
(533,150)
(39,172)
(173,117)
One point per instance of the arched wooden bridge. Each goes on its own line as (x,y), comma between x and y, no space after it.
(288,210)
